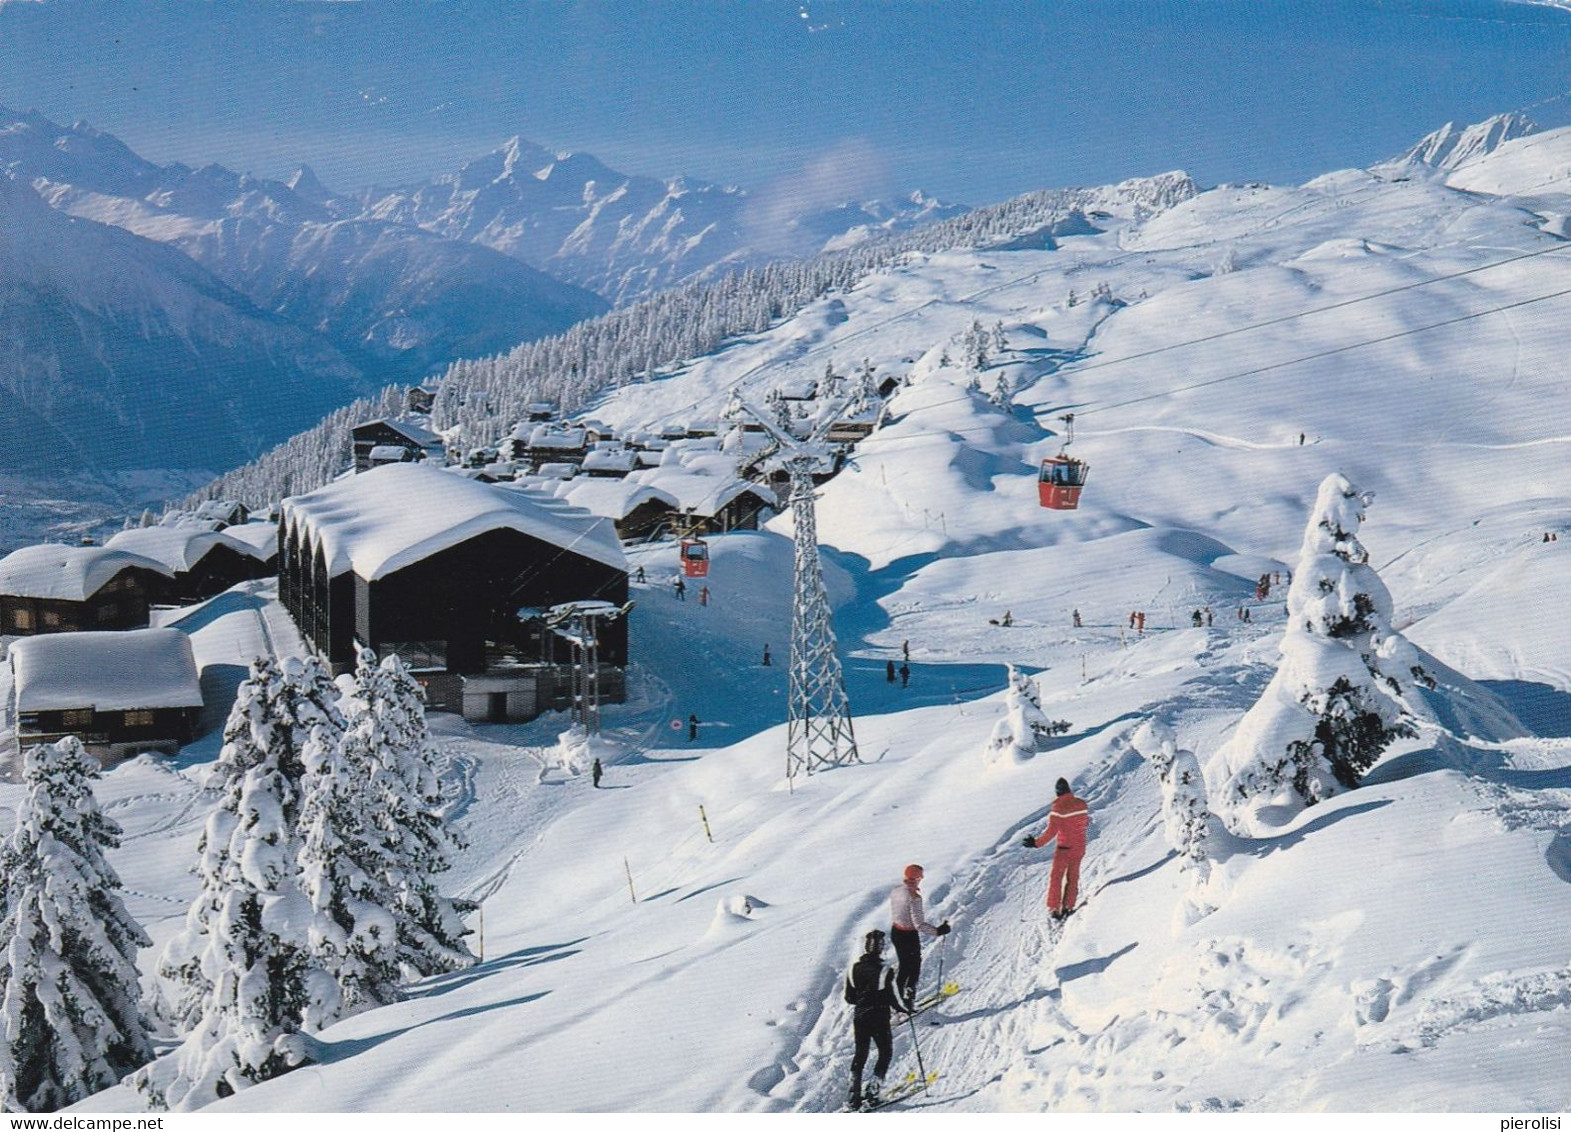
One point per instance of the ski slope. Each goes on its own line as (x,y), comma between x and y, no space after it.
(1401,947)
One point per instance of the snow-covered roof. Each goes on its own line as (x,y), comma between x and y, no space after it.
(136,668)
(417,433)
(258,538)
(548,436)
(557,471)
(613,499)
(389,452)
(223,510)
(68,573)
(701,494)
(179,548)
(380,521)
(611,460)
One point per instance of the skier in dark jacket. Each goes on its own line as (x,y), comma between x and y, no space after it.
(889,671)
(870,989)
(597,771)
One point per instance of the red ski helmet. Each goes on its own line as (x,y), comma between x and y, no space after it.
(913,873)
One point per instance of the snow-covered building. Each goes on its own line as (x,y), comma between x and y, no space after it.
(537,444)
(225,512)
(610,462)
(202,563)
(414,441)
(119,693)
(68,589)
(261,536)
(639,510)
(451,575)
(710,503)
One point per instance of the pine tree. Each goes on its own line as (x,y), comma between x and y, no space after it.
(1020,733)
(274,715)
(390,728)
(1194,832)
(1332,707)
(1000,339)
(249,982)
(354,937)
(69,1021)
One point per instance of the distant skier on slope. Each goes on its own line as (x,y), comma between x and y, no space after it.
(908,925)
(1066,823)
(869,988)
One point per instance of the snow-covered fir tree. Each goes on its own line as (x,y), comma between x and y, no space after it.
(274,714)
(342,858)
(1000,340)
(1333,706)
(1195,833)
(1024,727)
(388,730)
(69,1020)
(263,986)
(1002,394)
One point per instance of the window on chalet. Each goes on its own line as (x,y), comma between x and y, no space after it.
(21,619)
(141,717)
(51,619)
(76,717)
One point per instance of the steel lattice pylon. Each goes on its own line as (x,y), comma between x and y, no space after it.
(819,732)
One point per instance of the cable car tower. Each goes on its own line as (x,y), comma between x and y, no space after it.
(818,734)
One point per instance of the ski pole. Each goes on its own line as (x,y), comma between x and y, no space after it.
(941,941)
(917,1047)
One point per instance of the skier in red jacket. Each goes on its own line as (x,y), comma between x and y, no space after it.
(1067,824)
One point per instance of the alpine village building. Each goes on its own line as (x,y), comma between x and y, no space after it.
(454,576)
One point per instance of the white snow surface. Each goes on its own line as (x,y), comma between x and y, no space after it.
(1399,947)
(380,521)
(67,573)
(612,498)
(133,668)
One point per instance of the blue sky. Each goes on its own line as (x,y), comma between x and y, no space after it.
(972,101)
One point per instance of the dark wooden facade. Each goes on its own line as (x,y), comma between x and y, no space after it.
(221,567)
(120,603)
(453,611)
(420,443)
(117,734)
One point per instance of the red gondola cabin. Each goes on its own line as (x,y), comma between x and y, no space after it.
(1059,483)
(695,558)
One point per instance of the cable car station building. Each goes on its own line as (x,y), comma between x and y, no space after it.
(453,576)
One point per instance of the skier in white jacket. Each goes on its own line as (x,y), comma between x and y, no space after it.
(908,923)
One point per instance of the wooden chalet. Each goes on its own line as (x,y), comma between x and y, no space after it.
(222,512)
(201,563)
(71,589)
(120,693)
(537,444)
(640,511)
(450,574)
(415,440)
(712,504)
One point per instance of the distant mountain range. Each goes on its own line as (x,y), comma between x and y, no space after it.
(624,236)
(160,315)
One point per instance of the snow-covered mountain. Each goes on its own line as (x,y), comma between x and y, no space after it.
(624,236)
(120,353)
(1452,146)
(1397,947)
(398,300)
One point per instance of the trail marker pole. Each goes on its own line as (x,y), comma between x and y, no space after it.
(631,894)
(705,818)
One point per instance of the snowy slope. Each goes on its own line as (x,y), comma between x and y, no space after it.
(1400,947)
